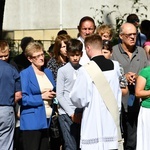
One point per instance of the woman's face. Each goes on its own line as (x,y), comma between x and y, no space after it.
(63,50)
(106,36)
(37,58)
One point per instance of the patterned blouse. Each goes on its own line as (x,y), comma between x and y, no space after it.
(53,65)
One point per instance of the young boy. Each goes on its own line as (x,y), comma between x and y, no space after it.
(69,116)
(105,31)
(107,52)
(107,49)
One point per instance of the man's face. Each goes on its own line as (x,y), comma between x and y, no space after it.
(4,55)
(87,28)
(128,35)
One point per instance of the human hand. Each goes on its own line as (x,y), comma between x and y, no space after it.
(131,78)
(18,96)
(48,95)
(76,118)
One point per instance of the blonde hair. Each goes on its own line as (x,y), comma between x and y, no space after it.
(33,47)
(104,29)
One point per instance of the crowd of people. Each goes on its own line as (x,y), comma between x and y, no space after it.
(89,95)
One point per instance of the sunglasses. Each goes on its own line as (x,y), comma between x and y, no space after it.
(135,20)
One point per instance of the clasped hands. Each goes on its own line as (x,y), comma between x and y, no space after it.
(131,78)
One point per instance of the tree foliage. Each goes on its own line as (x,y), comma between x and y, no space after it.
(105,13)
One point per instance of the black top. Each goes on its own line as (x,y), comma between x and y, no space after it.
(22,62)
(103,63)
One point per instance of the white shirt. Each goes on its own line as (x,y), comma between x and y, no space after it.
(84,59)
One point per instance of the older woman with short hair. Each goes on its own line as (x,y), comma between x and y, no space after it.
(37,93)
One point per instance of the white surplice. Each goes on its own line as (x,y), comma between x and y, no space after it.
(98,129)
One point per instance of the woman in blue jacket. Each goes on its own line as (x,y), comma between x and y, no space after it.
(37,93)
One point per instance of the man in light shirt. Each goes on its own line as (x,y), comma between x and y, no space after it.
(86,27)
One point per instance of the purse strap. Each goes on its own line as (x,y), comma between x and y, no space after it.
(100,82)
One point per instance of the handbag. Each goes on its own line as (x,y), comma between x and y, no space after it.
(54,123)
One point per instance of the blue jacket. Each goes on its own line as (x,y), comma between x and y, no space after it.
(32,115)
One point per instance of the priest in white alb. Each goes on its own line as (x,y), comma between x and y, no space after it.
(100,128)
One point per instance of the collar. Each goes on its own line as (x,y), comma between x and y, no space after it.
(75,66)
(122,50)
(98,57)
(81,39)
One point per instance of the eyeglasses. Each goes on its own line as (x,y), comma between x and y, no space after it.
(38,56)
(135,20)
(129,35)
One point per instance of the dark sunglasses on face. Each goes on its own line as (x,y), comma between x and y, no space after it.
(135,20)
